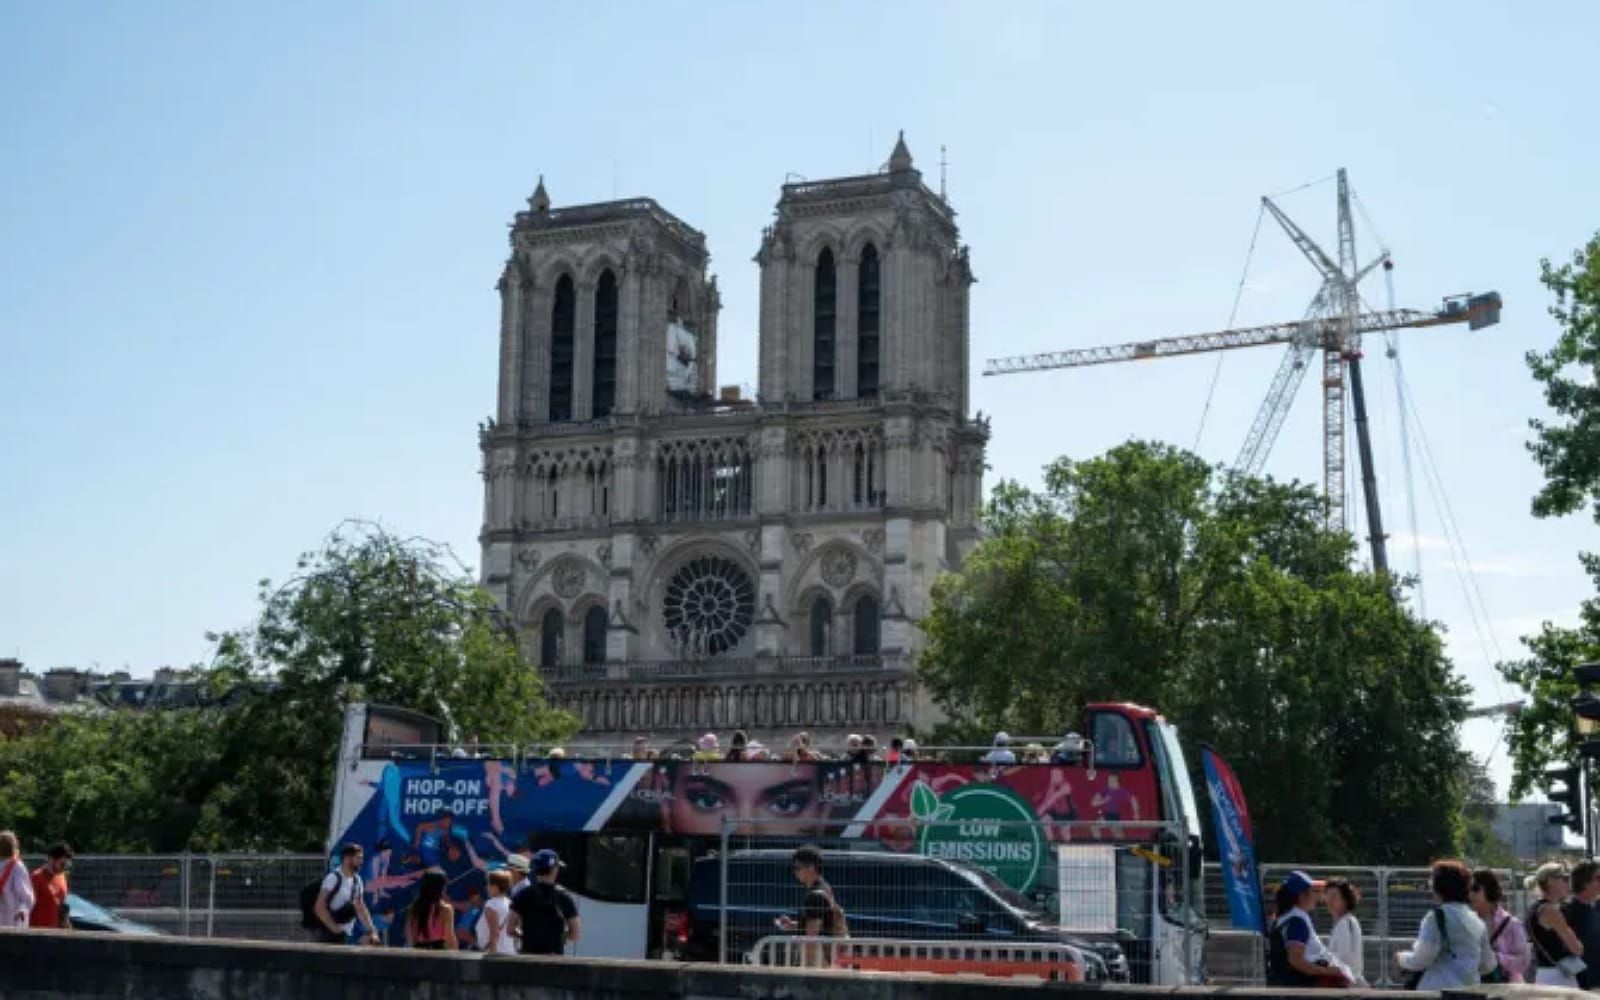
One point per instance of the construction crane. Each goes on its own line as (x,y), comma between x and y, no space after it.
(1334,325)
(1509,709)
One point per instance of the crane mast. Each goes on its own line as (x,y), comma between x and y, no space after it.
(1334,325)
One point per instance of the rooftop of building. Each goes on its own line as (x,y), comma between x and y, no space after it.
(542,215)
(899,173)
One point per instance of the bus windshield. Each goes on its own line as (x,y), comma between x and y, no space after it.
(1180,778)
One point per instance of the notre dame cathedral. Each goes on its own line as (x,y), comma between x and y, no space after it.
(680,559)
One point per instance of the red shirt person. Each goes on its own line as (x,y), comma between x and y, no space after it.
(50,889)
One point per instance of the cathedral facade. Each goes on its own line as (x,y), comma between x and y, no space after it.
(678,559)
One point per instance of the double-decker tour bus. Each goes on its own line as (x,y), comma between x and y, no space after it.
(1099,836)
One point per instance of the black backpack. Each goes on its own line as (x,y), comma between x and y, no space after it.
(308,901)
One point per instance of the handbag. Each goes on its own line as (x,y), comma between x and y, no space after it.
(1498,974)
(1413,978)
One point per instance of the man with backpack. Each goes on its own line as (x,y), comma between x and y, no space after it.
(335,903)
(820,914)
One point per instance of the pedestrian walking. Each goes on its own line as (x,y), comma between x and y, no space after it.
(1557,951)
(341,901)
(1344,941)
(820,914)
(544,913)
(493,930)
(519,866)
(1296,957)
(1452,947)
(431,922)
(1507,936)
(1582,910)
(50,890)
(16,888)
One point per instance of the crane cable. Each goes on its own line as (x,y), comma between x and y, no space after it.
(1233,314)
(1405,447)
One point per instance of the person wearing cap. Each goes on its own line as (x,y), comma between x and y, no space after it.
(519,866)
(1001,752)
(545,914)
(1296,957)
(50,890)
(706,749)
(1557,950)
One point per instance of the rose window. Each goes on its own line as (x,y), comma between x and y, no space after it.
(708,606)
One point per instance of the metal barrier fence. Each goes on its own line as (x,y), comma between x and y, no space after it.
(1393,903)
(1032,960)
(1116,890)
(201,895)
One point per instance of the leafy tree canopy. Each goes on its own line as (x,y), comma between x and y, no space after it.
(1568,450)
(1145,575)
(370,617)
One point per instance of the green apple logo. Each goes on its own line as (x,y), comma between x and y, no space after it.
(986,826)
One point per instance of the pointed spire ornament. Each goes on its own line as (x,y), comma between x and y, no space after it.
(540,202)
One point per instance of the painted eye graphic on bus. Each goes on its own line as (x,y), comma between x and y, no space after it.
(790,799)
(706,796)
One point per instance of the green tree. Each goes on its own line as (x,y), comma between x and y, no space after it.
(370,617)
(1145,575)
(1568,451)
(1480,845)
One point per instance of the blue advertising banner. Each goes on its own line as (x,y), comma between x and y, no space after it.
(1232,821)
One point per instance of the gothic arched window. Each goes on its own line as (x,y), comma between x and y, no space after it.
(550,638)
(594,635)
(821,626)
(824,317)
(605,344)
(866,622)
(563,317)
(867,299)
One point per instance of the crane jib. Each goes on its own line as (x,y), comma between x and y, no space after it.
(1477,311)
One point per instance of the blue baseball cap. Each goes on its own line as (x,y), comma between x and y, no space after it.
(1298,882)
(545,860)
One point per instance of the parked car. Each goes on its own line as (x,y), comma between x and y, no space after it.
(883,895)
(86,916)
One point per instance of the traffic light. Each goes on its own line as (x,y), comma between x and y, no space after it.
(1564,786)
(1586,706)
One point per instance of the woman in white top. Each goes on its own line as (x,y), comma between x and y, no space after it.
(494,925)
(1458,953)
(1342,898)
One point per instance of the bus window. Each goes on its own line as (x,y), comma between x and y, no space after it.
(672,874)
(1114,742)
(614,868)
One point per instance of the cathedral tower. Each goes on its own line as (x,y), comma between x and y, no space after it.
(679,560)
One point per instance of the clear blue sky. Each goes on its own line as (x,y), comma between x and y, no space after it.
(247,254)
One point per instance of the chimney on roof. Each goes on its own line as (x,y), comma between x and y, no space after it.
(10,678)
